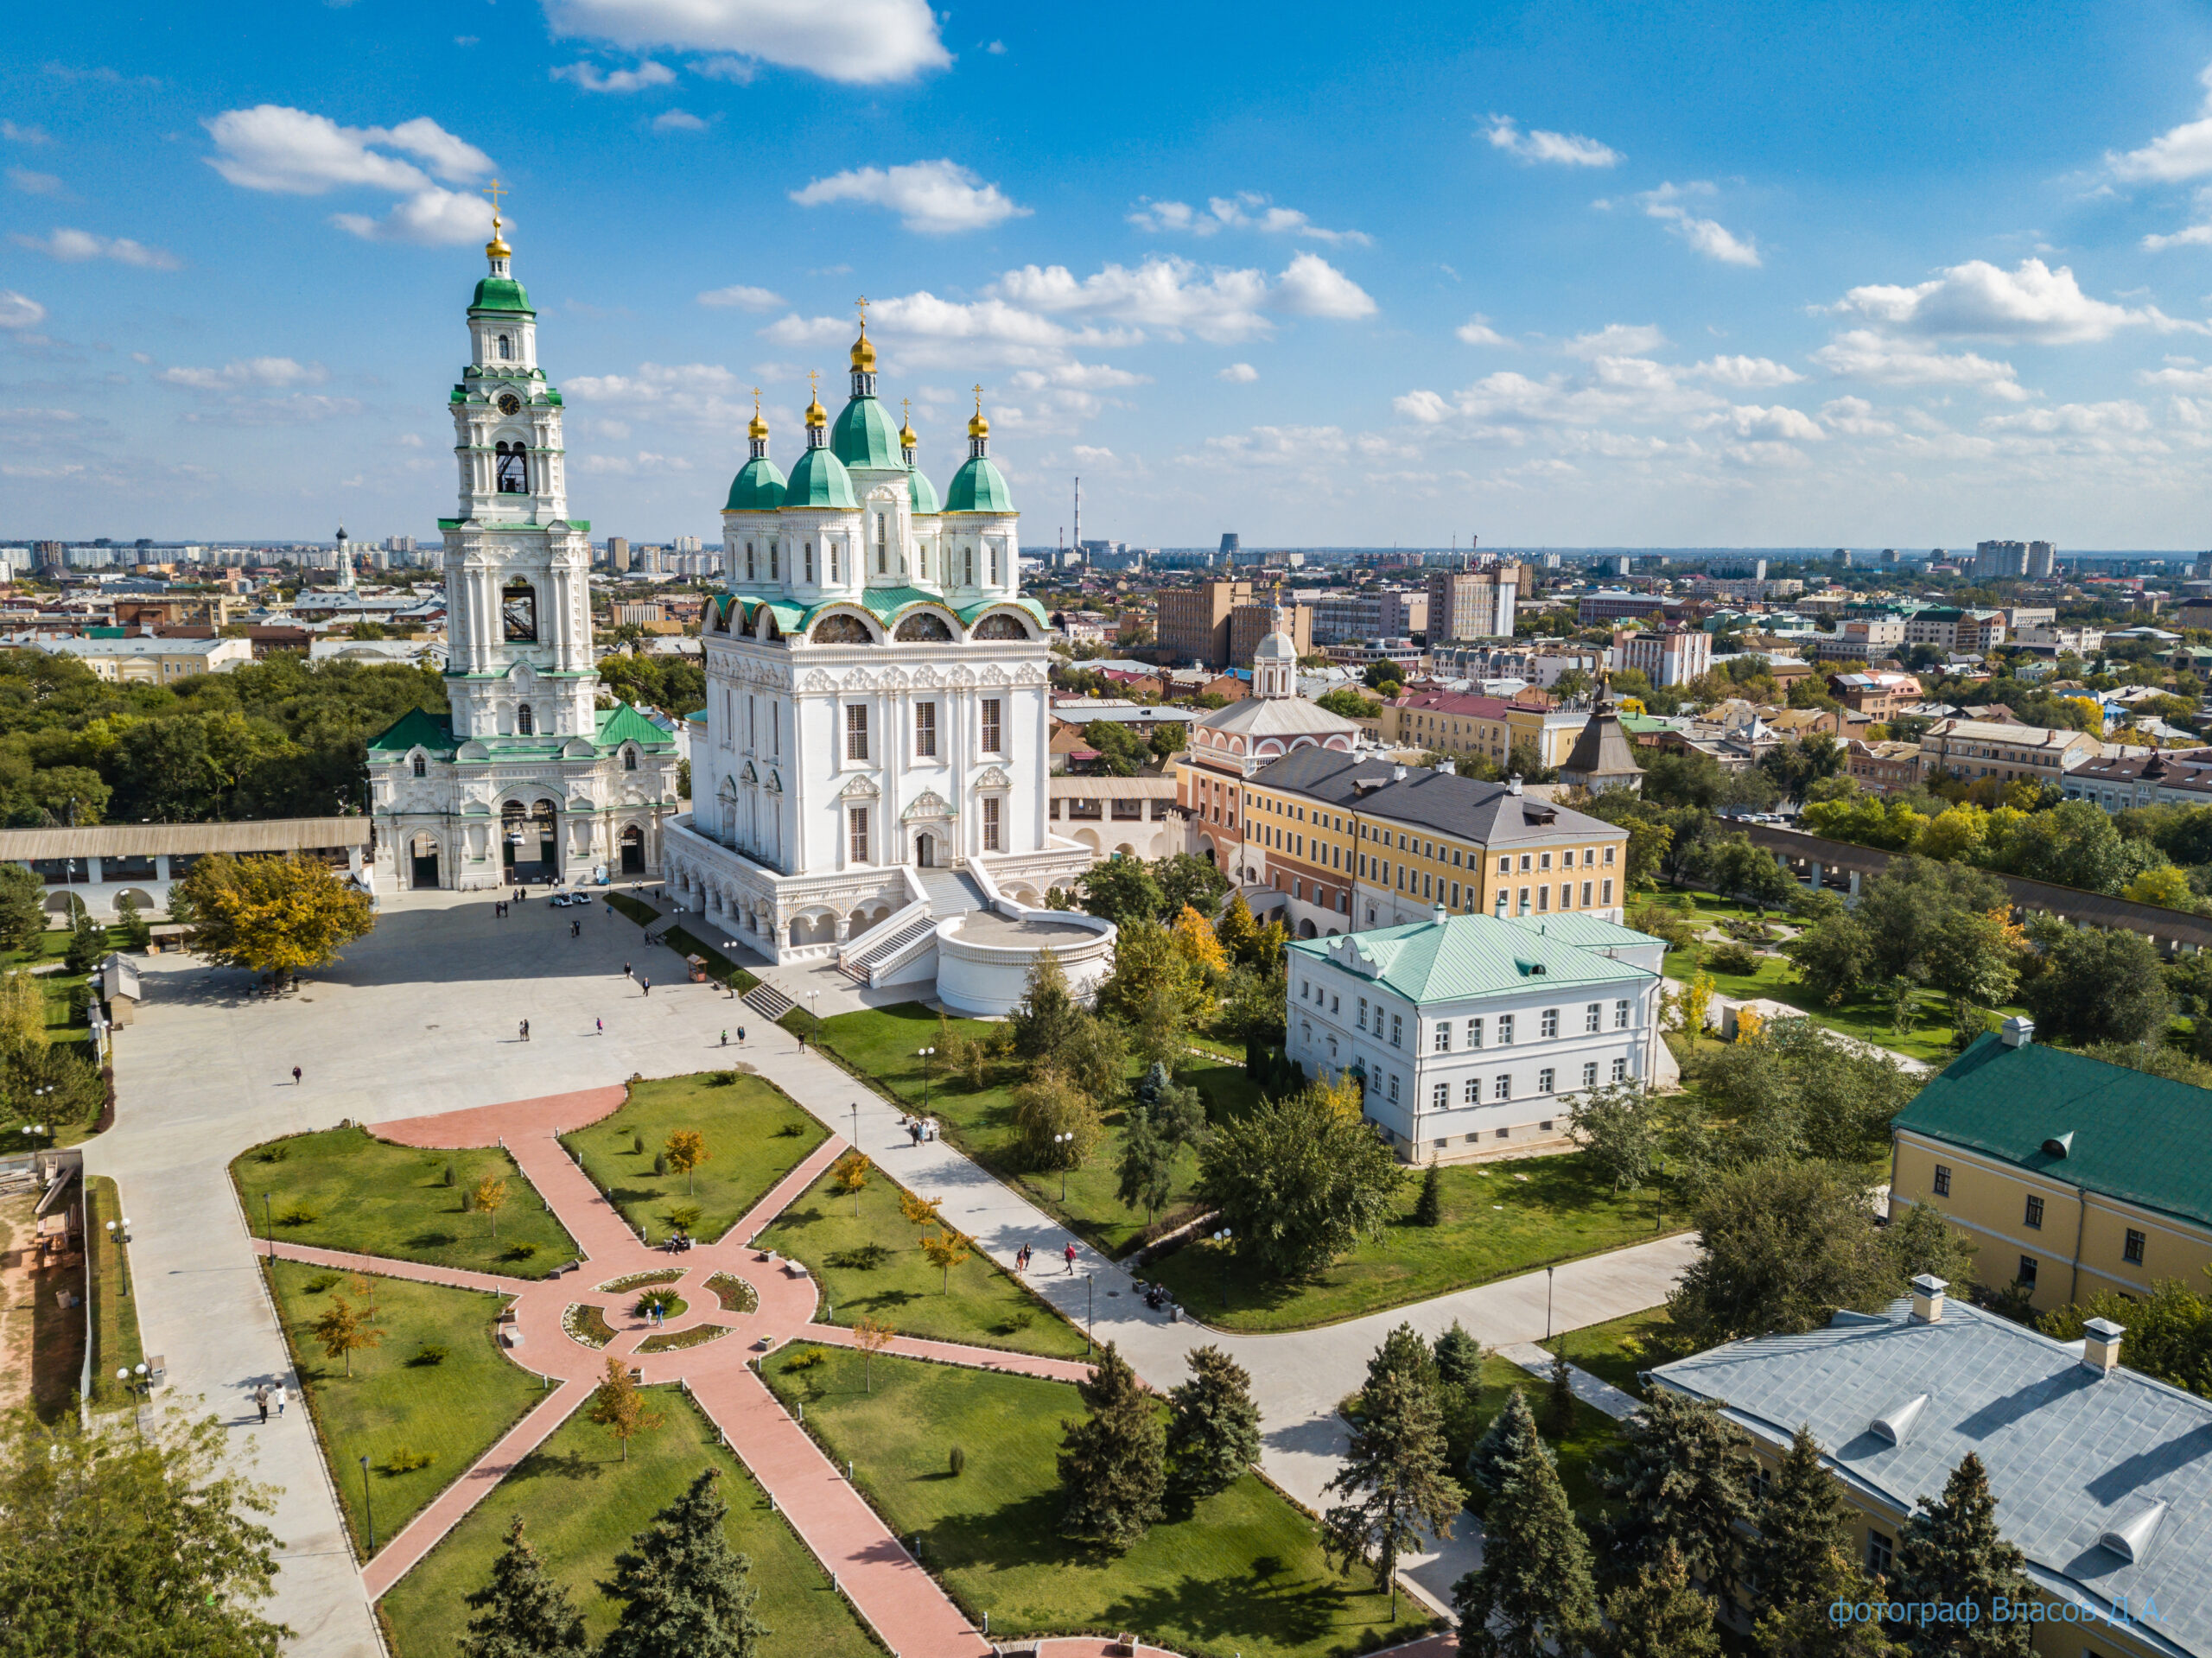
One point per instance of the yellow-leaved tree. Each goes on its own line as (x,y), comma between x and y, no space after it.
(1342,1092)
(272,915)
(1196,940)
(1688,1007)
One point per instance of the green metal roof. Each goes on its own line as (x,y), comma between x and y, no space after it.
(921,494)
(624,724)
(863,435)
(1583,931)
(414,729)
(1465,956)
(819,478)
(501,294)
(977,487)
(887,602)
(758,487)
(969,614)
(2136,1137)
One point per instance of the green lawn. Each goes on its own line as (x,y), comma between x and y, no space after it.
(370,1195)
(581,1505)
(1239,1572)
(115,1307)
(1498,1219)
(452,1410)
(745,1121)
(1866,1017)
(1615,1350)
(1588,1447)
(883,1045)
(638,911)
(829,1231)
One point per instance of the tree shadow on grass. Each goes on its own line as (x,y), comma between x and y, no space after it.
(569,1465)
(798,1217)
(433,1240)
(1268,1604)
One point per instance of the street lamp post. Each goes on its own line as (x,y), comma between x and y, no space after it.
(268,1227)
(856,1124)
(1059,1141)
(122,1380)
(1222,1238)
(1548,1271)
(1090,1309)
(929,1080)
(814,1013)
(368,1505)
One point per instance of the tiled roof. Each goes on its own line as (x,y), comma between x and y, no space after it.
(2071,1454)
(1464,956)
(2135,1137)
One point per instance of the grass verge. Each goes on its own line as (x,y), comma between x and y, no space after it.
(396,1402)
(832,1233)
(755,1136)
(1240,1572)
(1498,1219)
(582,1504)
(345,1189)
(1615,1350)
(1583,1452)
(115,1311)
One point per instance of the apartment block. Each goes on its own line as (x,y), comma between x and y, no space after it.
(1193,623)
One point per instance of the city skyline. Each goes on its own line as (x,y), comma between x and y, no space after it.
(1588,283)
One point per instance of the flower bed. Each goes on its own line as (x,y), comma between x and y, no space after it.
(638,1280)
(675,1338)
(586,1325)
(734,1294)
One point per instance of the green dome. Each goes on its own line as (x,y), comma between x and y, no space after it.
(977,487)
(500,294)
(758,487)
(921,494)
(820,479)
(864,436)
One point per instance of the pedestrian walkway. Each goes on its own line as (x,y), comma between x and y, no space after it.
(1537,1360)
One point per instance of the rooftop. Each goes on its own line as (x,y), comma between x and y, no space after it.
(1452,957)
(1423,798)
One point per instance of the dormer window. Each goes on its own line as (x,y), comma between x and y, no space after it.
(422,768)
(629,760)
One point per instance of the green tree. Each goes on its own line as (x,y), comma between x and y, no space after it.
(1532,1597)
(1298,1184)
(2074,844)
(2169,1331)
(1393,1480)
(1905,906)
(1922,1241)
(1970,956)
(1213,1427)
(1238,932)
(1146,1170)
(88,945)
(1835,955)
(2098,986)
(1113,1466)
(1786,1244)
(521,1610)
(1428,1208)
(1807,1628)
(1056,1124)
(685,1592)
(1147,961)
(271,915)
(1685,1481)
(1730,863)
(1799,1521)
(1795,1091)
(130,930)
(22,907)
(1658,1614)
(1403,1352)
(1618,1133)
(1188,881)
(1348,704)
(132,1544)
(1952,1551)
(1121,891)
(1458,1357)
(1047,1015)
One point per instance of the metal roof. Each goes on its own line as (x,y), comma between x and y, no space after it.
(1461,957)
(1490,813)
(155,840)
(2072,1454)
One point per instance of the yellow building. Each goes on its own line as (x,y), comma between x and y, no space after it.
(2097,1470)
(141,661)
(2068,1175)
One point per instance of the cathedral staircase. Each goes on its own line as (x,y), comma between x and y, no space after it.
(871,958)
(888,947)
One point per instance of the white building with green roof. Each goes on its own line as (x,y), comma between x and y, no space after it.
(526,777)
(1469,1033)
(874,766)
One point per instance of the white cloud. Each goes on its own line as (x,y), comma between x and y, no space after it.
(655,382)
(677,121)
(1617,339)
(739,297)
(1745,373)
(1562,148)
(1855,417)
(276,411)
(1751,421)
(2031,303)
(860,42)
(1247,210)
(292,152)
(592,78)
(73,247)
(2074,419)
(1477,330)
(2184,375)
(1238,374)
(1707,236)
(1311,286)
(2188,236)
(1863,354)
(273,372)
(34,184)
(2181,152)
(20,310)
(935,198)
(32,135)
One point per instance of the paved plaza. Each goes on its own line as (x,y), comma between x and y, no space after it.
(421,1021)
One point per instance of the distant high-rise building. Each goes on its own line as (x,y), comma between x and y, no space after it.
(2042,561)
(1193,623)
(1231,547)
(1472,604)
(2000,559)
(49,554)
(1888,558)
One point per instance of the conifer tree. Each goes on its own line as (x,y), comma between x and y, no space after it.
(521,1612)
(1532,1597)
(685,1593)
(1685,1475)
(1395,1477)
(1428,1208)
(1952,1551)
(1492,1458)
(1800,1524)
(1214,1434)
(1402,1353)
(1562,1399)
(1459,1356)
(1658,1614)
(1113,1467)
(1801,1626)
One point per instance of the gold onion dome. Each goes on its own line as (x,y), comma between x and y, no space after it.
(497,248)
(906,438)
(864,353)
(816,418)
(977,426)
(757,428)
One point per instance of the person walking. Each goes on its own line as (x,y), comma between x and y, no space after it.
(648,984)
(295,1075)
(261,1401)
(600,1026)
(281,1396)
(741,1036)
(626,969)
(1071,1255)
(725,1039)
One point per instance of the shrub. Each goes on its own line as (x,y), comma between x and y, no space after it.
(297,1215)
(813,1358)
(467,1201)
(660,1162)
(448,1175)
(865,1259)
(275,1153)
(321,1282)
(791,1131)
(958,1461)
(637,1142)
(668,1303)
(404,1460)
(430,1353)
(521,1251)
(1015,1324)
(1732,957)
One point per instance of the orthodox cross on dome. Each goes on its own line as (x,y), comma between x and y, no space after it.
(861,305)
(495,190)
(814,384)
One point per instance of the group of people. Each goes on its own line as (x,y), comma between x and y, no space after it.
(917,1128)
(1024,1256)
(262,1396)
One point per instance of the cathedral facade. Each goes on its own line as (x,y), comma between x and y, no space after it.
(525,778)
(877,697)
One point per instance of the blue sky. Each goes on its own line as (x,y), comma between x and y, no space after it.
(1689,274)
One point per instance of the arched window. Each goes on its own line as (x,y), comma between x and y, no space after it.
(969,580)
(525,721)
(775,550)
(748,561)
(506,348)
(421,769)
(810,560)
(1000,626)
(922,628)
(512,466)
(629,760)
(518,613)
